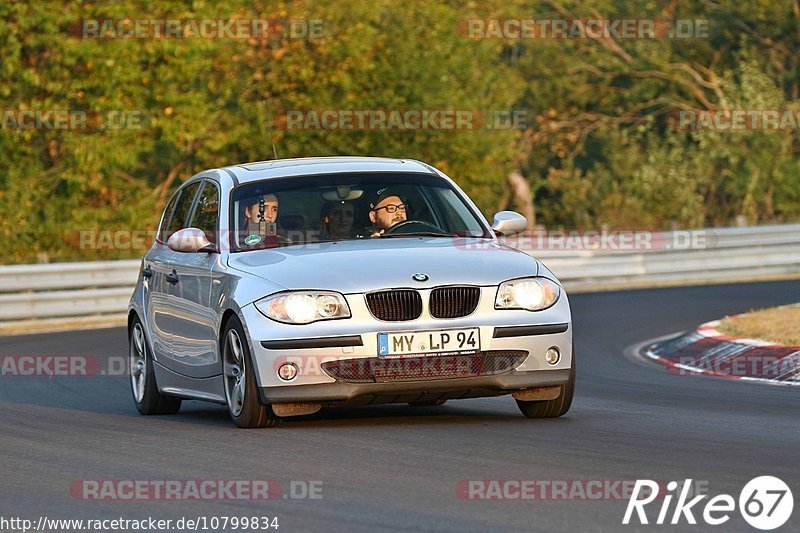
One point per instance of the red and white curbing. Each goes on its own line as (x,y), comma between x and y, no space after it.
(706,351)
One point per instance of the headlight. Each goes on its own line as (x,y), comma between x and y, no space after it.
(532,294)
(304,307)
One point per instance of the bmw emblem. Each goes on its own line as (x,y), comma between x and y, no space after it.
(420,277)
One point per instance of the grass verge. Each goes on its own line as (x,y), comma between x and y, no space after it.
(779,325)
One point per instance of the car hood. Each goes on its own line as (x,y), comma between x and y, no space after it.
(372,264)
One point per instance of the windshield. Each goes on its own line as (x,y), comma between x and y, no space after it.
(302,210)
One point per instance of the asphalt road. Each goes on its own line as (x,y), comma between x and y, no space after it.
(396,467)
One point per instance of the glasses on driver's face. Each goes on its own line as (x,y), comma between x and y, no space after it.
(391,208)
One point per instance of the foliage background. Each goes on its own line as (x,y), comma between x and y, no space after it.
(600,149)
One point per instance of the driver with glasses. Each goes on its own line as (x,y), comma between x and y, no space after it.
(385,210)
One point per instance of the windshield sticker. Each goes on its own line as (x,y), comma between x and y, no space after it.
(252,240)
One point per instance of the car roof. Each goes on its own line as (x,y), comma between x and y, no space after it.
(307,166)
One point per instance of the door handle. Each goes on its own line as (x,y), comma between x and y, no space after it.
(147,272)
(173,277)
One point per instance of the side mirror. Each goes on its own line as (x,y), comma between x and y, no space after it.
(190,240)
(509,223)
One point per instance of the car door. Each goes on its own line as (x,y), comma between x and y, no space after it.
(165,309)
(156,289)
(194,343)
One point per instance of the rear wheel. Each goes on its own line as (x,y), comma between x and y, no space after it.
(552,408)
(241,390)
(143,379)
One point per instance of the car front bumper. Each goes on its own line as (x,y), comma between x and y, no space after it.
(313,347)
(338,392)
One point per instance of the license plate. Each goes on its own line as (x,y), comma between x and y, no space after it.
(451,341)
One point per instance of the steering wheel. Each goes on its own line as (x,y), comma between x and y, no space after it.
(413,226)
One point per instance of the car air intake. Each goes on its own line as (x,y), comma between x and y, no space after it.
(396,305)
(453,302)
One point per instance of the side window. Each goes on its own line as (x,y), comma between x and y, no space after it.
(162,228)
(206,211)
(182,208)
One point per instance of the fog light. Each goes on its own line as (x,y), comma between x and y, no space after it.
(553,356)
(287,371)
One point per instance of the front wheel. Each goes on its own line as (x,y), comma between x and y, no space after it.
(241,390)
(143,379)
(552,408)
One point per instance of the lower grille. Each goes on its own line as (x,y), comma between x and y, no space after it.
(424,368)
(454,302)
(395,306)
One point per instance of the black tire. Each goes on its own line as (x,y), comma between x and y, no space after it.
(144,389)
(552,408)
(246,411)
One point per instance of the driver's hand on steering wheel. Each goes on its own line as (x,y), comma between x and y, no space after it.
(377,233)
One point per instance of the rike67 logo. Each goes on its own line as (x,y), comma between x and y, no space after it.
(765,503)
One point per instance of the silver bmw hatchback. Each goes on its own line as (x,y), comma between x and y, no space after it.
(281,287)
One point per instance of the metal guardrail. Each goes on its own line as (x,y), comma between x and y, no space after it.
(16,278)
(731,254)
(72,290)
